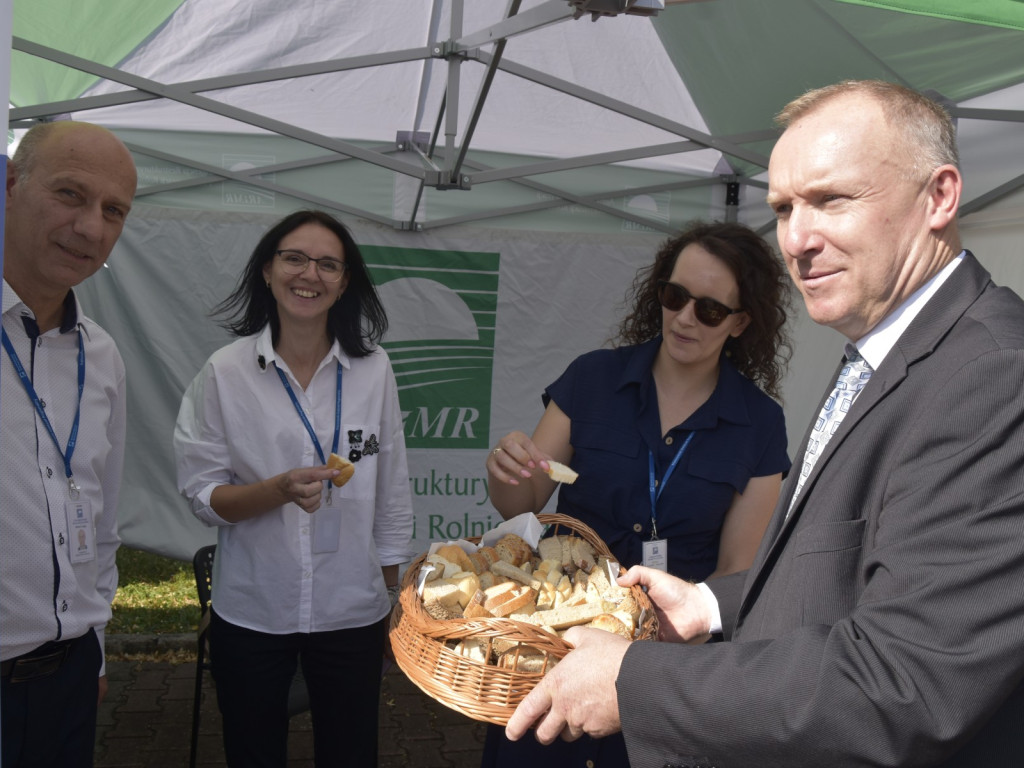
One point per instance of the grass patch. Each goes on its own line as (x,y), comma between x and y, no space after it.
(155,595)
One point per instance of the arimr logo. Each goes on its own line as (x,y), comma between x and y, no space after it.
(441,307)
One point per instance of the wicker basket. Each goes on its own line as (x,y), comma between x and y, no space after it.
(482,691)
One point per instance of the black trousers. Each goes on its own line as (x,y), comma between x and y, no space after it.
(253,672)
(50,721)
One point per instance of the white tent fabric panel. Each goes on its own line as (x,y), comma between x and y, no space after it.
(622,58)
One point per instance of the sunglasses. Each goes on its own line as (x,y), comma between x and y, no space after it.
(674,297)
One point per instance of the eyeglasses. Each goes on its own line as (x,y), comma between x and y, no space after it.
(295,263)
(674,297)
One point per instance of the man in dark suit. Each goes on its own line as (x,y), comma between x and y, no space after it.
(882,622)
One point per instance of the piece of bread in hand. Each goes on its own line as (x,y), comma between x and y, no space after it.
(334,461)
(561,473)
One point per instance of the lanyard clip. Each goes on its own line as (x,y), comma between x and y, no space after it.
(73,489)
(330,485)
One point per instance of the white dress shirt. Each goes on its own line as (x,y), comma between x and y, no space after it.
(237,425)
(45,596)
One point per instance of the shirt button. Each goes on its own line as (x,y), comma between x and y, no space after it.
(49,472)
(307,575)
(590,764)
(63,606)
(668,440)
(638,527)
(305,531)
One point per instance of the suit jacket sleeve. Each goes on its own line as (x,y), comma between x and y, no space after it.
(903,644)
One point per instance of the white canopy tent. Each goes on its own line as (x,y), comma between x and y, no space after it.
(541,146)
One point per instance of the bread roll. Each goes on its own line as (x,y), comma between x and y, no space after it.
(611,623)
(334,461)
(453,553)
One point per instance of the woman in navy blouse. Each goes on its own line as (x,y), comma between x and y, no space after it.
(678,442)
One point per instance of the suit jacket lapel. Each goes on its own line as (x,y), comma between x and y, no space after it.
(918,341)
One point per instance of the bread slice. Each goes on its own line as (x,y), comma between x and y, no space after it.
(443,592)
(550,548)
(526,661)
(514,600)
(509,571)
(468,584)
(561,473)
(472,648)
(563,618)
(583,555)
(348,469)
(512,549)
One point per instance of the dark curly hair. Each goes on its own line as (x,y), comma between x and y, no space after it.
(762,351)
(357,320)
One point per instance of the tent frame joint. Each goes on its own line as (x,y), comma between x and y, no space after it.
(444,179)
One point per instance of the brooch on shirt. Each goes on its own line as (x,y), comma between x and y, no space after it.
(358,448)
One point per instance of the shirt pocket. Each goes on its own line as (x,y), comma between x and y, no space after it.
(360,444)
(603,440)
(729,473)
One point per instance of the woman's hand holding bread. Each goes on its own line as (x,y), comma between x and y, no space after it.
(303,486)
(515,457)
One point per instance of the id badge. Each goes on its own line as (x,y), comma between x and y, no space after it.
(81,536)
(326,530)
(656,554)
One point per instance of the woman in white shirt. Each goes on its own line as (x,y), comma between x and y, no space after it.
(304,570)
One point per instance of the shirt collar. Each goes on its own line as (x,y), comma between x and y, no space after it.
(725,404)
(265,354)
(14,305)
(883,337)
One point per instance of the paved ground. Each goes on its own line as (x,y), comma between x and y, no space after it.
(146,721)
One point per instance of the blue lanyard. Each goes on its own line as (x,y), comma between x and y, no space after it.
(656,490)
(31,390)
(305,421)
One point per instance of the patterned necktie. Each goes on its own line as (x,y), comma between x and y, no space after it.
(852,378)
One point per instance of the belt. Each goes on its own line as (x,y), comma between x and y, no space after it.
(42,662)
